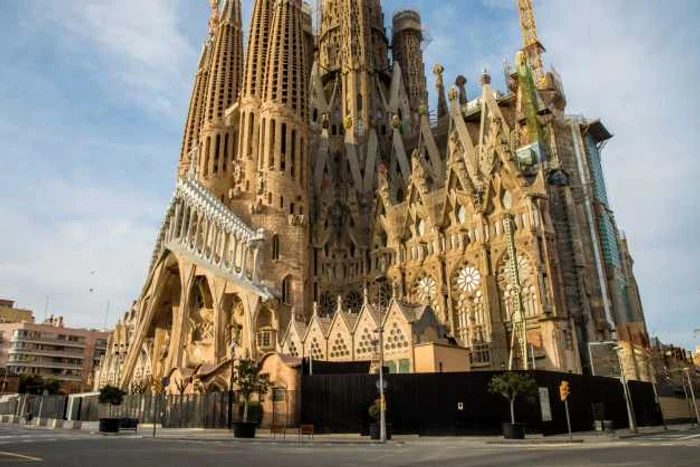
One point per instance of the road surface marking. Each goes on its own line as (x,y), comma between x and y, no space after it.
(19,456)
(690,437)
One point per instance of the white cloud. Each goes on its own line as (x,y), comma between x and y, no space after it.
(634,64)
(52,251)
(140,46)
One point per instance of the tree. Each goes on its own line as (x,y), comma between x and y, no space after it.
(511,385)
(52,385)
(30,383)
(250,382)
(111,395)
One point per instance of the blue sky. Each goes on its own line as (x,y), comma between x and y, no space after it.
(93,98)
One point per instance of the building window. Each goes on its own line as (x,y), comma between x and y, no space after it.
(265,339)
(287,290)
(275,247)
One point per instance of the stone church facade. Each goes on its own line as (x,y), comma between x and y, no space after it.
(315,183)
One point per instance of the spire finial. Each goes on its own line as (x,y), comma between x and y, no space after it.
(532,46)
(365,296)
(339,307)
(315,309)
(214,19)
(438,70)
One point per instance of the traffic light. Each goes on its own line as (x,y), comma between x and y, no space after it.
(564,390)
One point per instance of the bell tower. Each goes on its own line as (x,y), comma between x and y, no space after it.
(282,198)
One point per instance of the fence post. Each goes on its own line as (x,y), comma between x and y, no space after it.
(230,409)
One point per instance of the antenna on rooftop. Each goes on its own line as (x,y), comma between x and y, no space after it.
(106,315)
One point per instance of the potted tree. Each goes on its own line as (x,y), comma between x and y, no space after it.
(510,385)
(249,382)
(113,396)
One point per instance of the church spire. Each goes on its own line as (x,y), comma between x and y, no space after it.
(251,93)
(216,136)
(195,114)
(532,46)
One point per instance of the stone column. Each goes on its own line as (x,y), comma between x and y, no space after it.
(189,227)
(234,253)
(256,258)
(244,262)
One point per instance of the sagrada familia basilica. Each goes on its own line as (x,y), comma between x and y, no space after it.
(318,197)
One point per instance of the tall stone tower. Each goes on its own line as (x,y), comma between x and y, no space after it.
(353,43)
(251,99)
(190,137)
(407,36)
(217,84)
(282,202)
(217,136)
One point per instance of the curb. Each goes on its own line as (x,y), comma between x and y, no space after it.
(531,442)
(283,442)
(651,433)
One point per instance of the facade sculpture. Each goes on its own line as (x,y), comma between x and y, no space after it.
(312,168)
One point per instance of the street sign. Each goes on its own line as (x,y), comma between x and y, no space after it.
(545,406)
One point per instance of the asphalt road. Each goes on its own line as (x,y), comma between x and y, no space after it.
(67,449)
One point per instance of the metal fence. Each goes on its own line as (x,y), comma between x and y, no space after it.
(212,410)
(461,404)
(36,406)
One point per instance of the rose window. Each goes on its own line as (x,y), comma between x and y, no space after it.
(426,289)
(328,304)
(353,301)
(468,279)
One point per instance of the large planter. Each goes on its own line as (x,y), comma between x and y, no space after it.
(244,430)
(513,431)
(109,425)
(375,432)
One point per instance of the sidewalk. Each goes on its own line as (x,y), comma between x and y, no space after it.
(264,436)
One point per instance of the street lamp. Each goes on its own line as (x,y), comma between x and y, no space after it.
(382,403)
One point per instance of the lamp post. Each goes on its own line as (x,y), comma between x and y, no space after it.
(382,403)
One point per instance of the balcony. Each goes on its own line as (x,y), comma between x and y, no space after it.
(47,353)
(57,365)
(46,340)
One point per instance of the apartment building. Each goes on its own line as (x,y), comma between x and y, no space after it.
(50,349)
(9,313)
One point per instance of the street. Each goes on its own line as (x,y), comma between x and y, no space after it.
(19,446)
